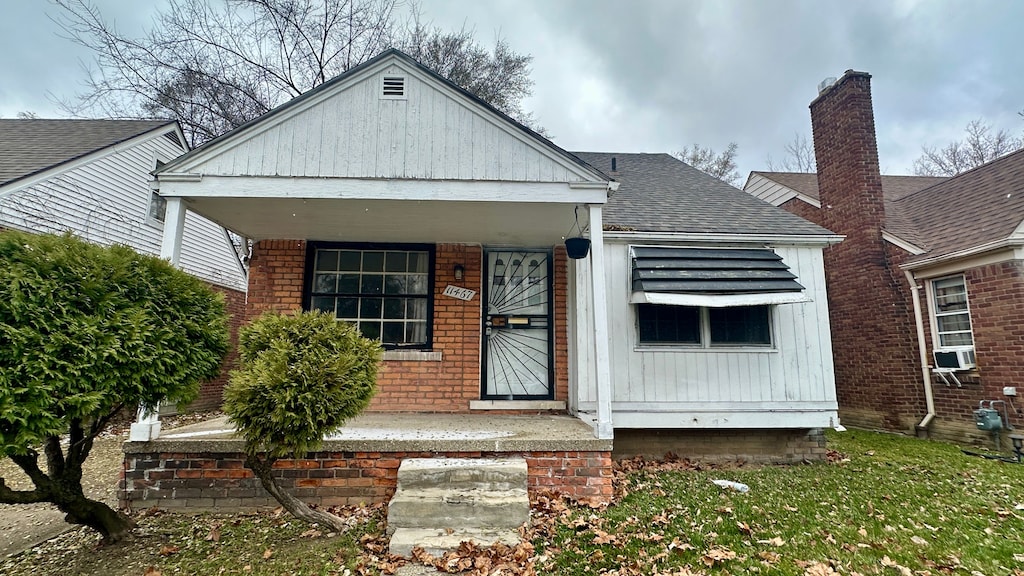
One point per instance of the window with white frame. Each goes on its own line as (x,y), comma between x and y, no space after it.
(157,211)
(157,207)
(384,290)
(952,315)
(667,325)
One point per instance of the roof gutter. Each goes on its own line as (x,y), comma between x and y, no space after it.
(973,251)
(812,239)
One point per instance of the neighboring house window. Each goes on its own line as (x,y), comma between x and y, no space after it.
(384,290)
(157,207)
(952,316)
(693,326)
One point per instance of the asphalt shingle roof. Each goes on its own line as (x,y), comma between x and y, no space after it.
(659,193)
(980,206)
(944,215)
(29,146)
(893,187)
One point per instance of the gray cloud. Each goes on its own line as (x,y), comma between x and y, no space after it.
(651,75)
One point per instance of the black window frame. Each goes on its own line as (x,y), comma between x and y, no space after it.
(430,249)
(702,316)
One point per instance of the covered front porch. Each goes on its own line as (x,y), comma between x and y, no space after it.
(202,465)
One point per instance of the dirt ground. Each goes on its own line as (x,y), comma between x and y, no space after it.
(25,525)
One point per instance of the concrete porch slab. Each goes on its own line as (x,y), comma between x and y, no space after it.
(404,432)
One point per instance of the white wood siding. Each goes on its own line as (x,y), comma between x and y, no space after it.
(683,387)
(768,190)
(351,132)
(107,201)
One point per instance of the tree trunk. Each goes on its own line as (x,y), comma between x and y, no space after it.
(297,508)
(110,523)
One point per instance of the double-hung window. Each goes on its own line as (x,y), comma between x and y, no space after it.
(385,290)
(661,325)
(952,316)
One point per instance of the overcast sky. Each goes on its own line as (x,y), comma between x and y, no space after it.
(655,76)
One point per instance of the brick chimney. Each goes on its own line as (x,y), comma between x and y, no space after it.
(849,181)
(877,380)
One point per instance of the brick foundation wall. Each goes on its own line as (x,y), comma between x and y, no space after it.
(873,335)
(276,282)
(769,446)
(221,480)
(211,392)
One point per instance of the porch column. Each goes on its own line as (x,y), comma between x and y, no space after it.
(602,362)
(147,424)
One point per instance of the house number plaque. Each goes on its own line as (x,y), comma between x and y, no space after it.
(460,293)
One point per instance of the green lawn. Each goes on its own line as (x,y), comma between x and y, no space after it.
(896,506)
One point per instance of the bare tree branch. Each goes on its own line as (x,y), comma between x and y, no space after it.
(720,165)
(216,64)
(798,157)
(979,146)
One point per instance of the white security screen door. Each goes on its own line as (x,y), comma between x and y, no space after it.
(517,325)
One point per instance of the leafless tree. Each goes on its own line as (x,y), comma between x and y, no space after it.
(980,145)
(720,165)
(216,64)
(798,157)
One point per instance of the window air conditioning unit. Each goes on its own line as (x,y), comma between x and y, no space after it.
(946,359)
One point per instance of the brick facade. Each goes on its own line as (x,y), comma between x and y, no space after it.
(995,294)
(221,480)
(878,373)
(422,384)
(211,392)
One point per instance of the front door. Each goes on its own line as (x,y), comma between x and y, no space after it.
(517,325)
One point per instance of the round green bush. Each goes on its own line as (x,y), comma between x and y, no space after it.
(86,330)
(302,377)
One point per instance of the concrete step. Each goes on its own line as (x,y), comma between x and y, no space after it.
(441,502)
(484,473)
(458,508)
(437,542)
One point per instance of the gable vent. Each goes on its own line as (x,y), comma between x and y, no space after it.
(393,87)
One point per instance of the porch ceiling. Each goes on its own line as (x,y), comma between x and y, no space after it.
(505,223)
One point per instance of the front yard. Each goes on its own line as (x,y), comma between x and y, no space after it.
(893,505)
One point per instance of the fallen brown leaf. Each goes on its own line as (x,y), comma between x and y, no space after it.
(268,554)
(151,571)
(168,549)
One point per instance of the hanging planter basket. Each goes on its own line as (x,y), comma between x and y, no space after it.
(577,248)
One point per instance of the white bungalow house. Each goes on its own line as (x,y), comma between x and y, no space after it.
(395,200)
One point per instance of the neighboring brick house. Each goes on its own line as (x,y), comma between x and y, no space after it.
(952,246)
(92,178)
(395,200)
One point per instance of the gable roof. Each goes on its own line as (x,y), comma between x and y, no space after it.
(660,193)
(893,187)
(392,55)
(978,207)
(31,146)
(897,223)
(940,215)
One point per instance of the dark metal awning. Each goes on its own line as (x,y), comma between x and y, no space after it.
(715,277)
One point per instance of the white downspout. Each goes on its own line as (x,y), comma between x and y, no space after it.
(922,351)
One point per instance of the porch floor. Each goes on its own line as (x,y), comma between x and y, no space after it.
(406,432)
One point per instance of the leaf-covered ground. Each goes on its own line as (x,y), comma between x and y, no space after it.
(883,505)
(886,505)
